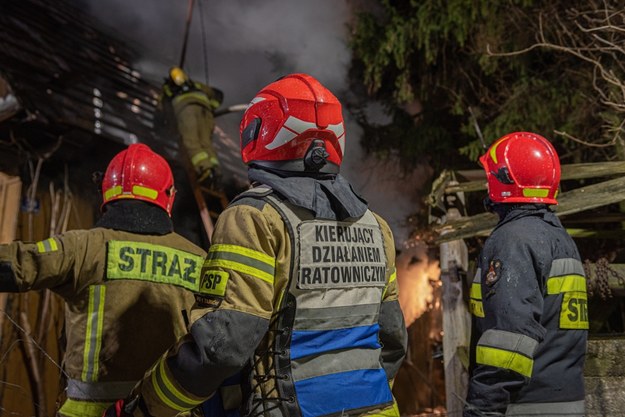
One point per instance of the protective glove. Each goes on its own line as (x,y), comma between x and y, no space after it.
(124,408)
(211,178)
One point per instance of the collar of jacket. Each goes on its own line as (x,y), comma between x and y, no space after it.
(136,216)
(329,198)
(510,212)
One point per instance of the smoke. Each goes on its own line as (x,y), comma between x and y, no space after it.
(247,45)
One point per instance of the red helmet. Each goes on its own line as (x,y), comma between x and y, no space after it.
(522,167)
(139,173)
(294,124)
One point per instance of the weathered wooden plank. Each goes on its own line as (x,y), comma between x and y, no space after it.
(569,172)
(574,201)
(596,234)
(456,320)
(10,195)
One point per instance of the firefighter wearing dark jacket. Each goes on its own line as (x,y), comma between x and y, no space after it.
(298,291)
(193,104)
(528,297)
(126,282)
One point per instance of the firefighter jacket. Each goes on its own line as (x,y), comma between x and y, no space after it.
(298,292)
(125,294)
(530,320)
(193,104)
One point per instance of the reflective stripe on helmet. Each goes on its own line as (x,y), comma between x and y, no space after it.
(536,192)
(137,190)
(112,192)
(144,192)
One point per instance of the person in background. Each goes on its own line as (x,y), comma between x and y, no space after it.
(528,297)
(126,283)
(192,104)
(298,292)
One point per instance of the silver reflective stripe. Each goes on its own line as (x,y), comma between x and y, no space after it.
(477,279)
(96,391)
(513,342)
(334,363)
(336,317)
(566,266)
(341,297)
(569,409)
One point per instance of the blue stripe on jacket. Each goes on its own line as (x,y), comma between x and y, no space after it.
(314,342)
(350,390)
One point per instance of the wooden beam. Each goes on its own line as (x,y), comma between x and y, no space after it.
(569,172)
(574,201)
(456,320)
(597,234)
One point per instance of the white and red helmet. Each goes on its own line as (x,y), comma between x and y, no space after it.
(522,167)
(139,173)
(294,124)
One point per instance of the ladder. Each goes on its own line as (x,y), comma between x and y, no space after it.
(210,204)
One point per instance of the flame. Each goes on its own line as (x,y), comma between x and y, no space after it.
(417,275)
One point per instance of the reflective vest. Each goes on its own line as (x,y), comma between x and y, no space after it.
(328,359)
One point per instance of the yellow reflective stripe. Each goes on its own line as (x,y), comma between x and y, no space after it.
(505,359)
(566,283)
(476,291)
(244,269)
(93,334)
(536,192)
(48,245)
(241,259)
(476,308)
(392,278)
(112,192)
(78,408)
(144,192)
(168,393)
(199,157)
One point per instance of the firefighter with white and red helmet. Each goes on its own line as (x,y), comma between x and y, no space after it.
(298,292)
(126,282)
(528,298)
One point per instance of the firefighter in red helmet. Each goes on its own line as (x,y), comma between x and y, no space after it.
(126,282)
(528,297)
(298,291)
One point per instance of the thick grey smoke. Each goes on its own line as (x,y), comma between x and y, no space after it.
(247,45)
